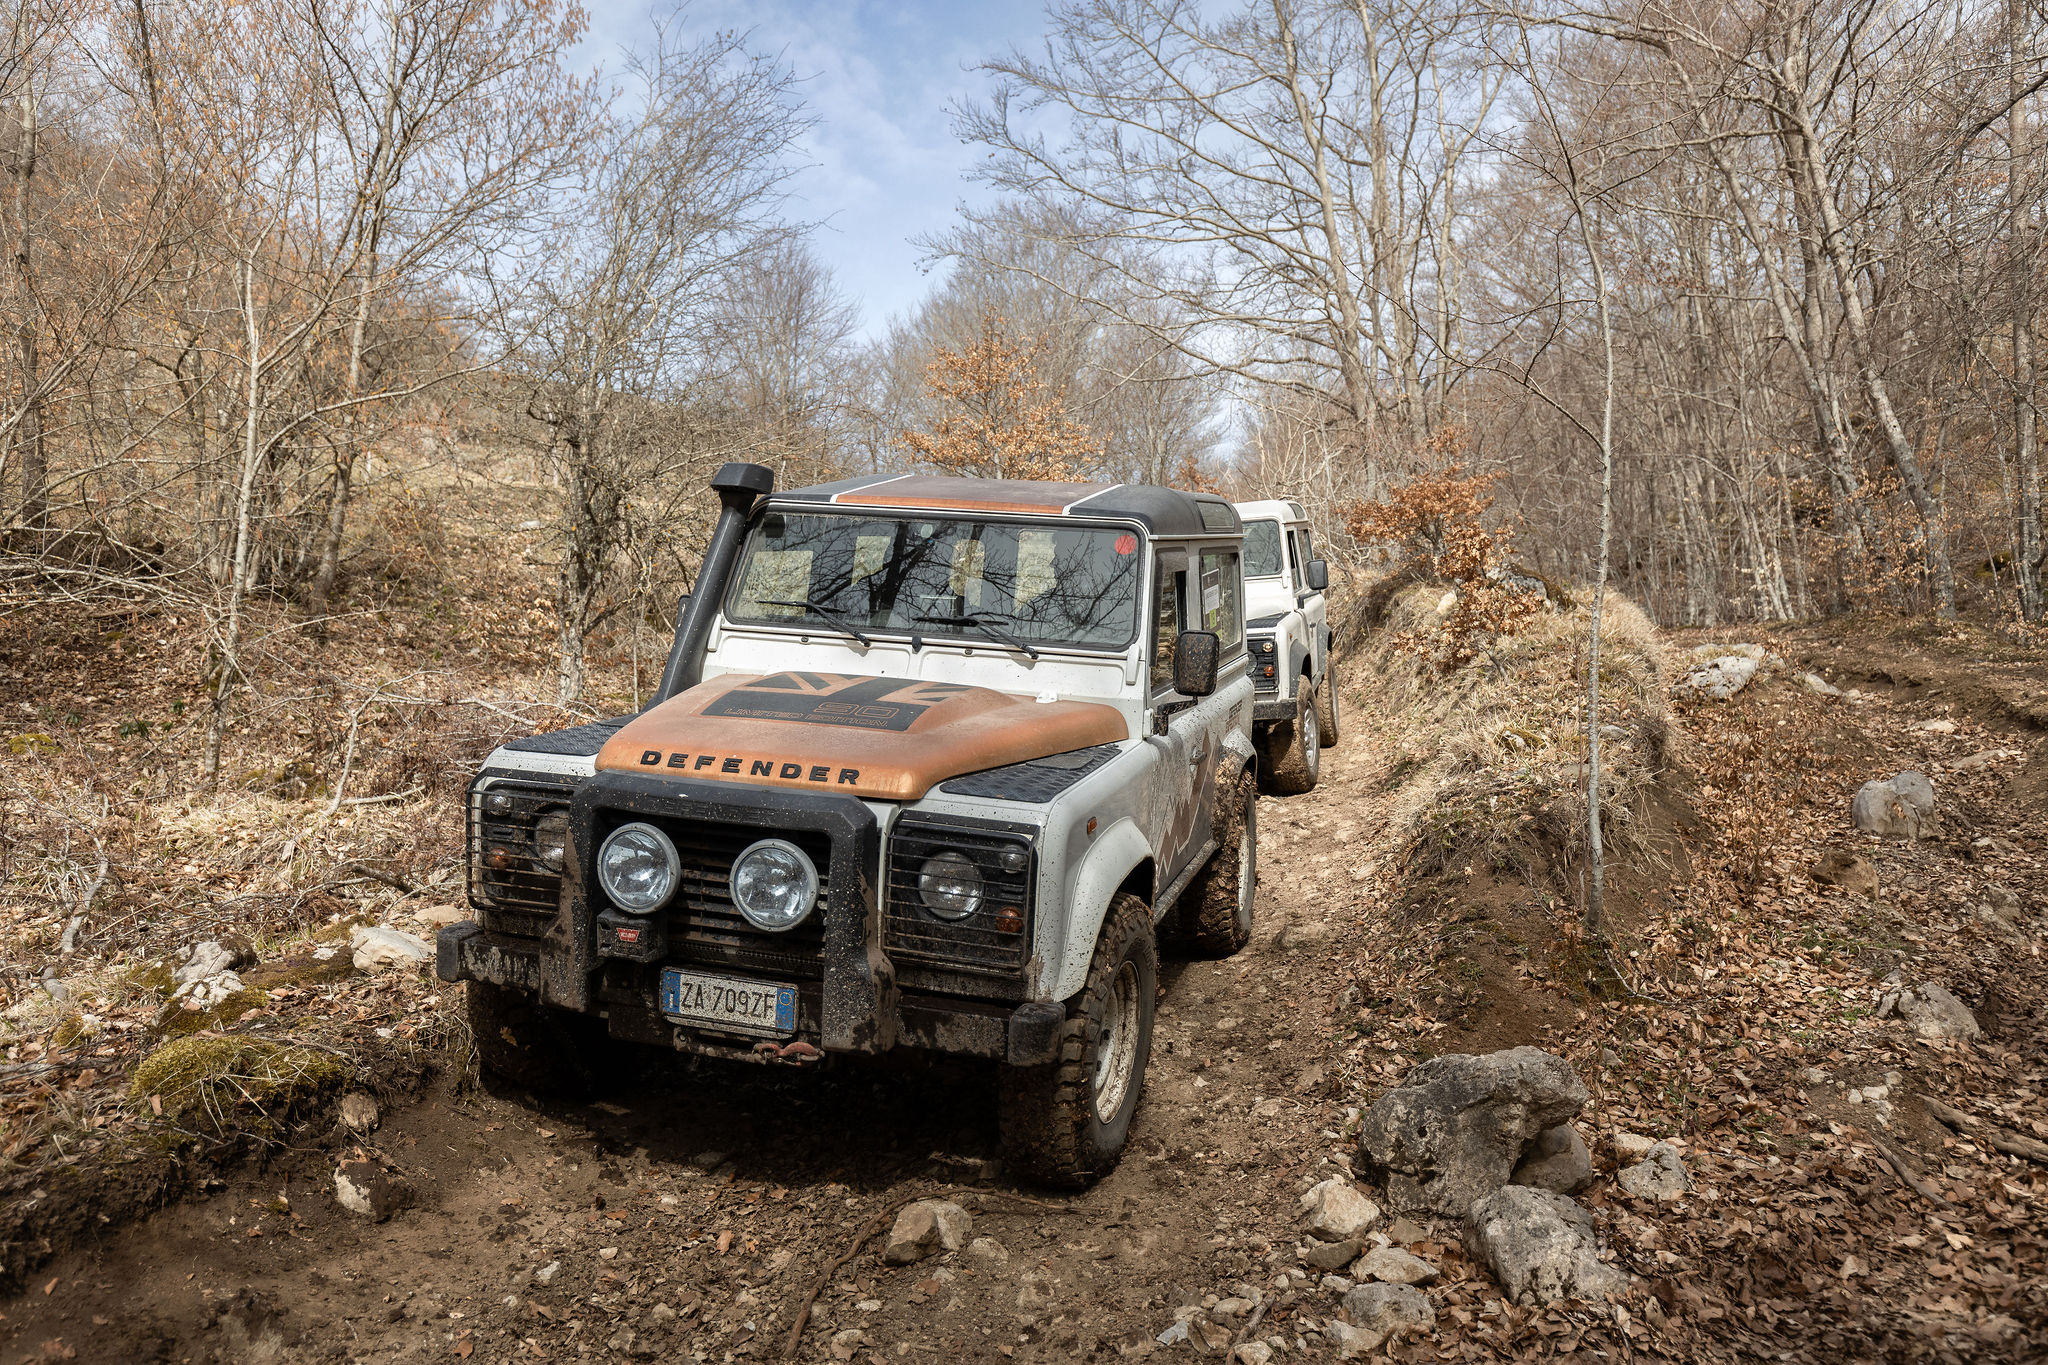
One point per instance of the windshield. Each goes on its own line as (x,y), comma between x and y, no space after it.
(1261,549)
(976,580)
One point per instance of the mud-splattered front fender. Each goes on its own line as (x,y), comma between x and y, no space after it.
(1109,860)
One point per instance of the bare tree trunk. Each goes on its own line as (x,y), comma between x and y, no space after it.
(1343,297)
(238,575)
(35,470)
(1805,162)
(2023,243)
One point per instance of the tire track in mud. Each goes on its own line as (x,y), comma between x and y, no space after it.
(686,1215)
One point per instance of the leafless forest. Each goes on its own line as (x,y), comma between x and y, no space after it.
(1781,261)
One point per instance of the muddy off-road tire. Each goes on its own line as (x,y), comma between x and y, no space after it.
(1293,755)
(544,1049)
(1064,1123)
(1326,714)
(1215,914)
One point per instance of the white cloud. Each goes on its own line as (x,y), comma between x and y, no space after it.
(879,78)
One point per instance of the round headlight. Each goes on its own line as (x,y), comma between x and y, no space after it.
(1013,859)
(774,884)
(497,803)
(551,839)
(637,866)
(950,885)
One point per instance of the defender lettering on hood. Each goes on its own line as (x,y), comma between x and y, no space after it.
(890,738)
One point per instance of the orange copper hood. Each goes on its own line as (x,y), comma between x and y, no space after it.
(888,738)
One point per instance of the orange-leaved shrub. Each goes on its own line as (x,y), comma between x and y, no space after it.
(1433,530)
(1000,420)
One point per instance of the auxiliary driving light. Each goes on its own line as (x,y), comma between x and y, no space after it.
(774,884)
(637,867)
(551,839)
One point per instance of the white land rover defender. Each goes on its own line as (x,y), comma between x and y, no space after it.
(933,765)
(1295,715)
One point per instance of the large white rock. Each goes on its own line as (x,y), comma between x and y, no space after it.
(205,992)
(1540,1246)
(1659,1175)
(1391,1265)
(1931,1010)
(1556,1159)
(1389,1309)
(926,1227)
(381,948)
(1720,678)
(1337,1212)
(1457,1125)
(203,961)
(1900,807)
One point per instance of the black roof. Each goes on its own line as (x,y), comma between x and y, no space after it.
(1163,511)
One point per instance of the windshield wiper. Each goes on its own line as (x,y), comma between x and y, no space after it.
(985,623)
(830,615)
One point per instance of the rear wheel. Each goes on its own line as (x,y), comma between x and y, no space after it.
(1327,716)
(1064,1123)
(1216,914)
(1294,749)
(540,1047)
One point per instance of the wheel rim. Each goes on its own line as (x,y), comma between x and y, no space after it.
(1117,1056)
(1311,738)
(1247,863)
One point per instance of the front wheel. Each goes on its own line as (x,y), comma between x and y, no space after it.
(1294,749)
(1064,1123)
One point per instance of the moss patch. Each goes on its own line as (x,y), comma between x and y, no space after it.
(215,1077)
(178,1022)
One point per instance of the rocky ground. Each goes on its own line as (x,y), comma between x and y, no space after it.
(1761,1174)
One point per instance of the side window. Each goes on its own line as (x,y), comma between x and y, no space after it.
(1294,560)
(1308,550)
(1222,604)
(1165,628)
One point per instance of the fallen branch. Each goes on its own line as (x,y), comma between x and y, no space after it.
(875,1225)
(413,790)
(1907,1173)
(396,883)
(2012,1144)
(1230,1356)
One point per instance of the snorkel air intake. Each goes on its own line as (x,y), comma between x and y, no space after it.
(739,487)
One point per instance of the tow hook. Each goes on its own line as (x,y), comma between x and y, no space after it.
(798,1051)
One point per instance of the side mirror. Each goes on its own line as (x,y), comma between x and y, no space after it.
(1319,575)
(1194,662)
(682,609)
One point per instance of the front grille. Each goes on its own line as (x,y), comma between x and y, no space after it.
(975,944)
(705,926)
(1265,664)
(509,887)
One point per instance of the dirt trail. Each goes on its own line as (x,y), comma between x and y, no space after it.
(687,1213)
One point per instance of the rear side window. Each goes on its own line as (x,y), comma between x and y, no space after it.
(1221,608)
(1165,627)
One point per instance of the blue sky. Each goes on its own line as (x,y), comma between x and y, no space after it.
(879,77)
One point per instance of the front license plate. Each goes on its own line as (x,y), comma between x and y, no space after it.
(725,1002)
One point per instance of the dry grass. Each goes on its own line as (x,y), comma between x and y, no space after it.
(1473,753)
